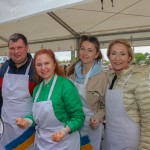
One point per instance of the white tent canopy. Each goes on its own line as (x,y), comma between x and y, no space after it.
(60,26)
(18,9)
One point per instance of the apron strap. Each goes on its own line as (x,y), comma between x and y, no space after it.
(38,92)
(7,69)
(52,87)
(86,80)
(27,70)
(87,75)
(128,77)
(51,90)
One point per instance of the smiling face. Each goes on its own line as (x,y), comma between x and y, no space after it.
(88,53)
(119,57)
(45,66)
(18,52)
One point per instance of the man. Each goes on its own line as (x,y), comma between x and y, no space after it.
(16,86)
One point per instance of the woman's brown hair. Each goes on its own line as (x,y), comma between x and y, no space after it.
(94,41)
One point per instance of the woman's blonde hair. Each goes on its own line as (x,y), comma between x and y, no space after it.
(125,43)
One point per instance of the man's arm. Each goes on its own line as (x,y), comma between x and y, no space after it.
(1,101)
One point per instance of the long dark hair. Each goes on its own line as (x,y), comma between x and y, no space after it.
(94,41)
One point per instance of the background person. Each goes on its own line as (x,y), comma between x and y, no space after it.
(16,86)
(57,108)
(127,101)
(66,68)
(91,82)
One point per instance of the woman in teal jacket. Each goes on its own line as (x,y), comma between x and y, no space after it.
(57,108)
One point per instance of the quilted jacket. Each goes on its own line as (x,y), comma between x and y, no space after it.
(136,98)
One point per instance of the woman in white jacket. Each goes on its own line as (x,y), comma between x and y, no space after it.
(127,101)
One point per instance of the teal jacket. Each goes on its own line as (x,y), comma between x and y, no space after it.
(65,101)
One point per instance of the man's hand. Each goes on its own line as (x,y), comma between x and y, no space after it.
(22,122)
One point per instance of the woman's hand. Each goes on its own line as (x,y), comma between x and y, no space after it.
(22,122)
(58,136)
(94,122)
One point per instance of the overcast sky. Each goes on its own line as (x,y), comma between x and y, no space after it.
(67,55)
(63,55)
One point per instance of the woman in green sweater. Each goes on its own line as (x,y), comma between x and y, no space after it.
(57,108)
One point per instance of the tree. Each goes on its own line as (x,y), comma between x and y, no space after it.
(147,58)
(139,57)
(147,61)
(106,62)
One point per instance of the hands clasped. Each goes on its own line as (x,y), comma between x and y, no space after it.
(58,136)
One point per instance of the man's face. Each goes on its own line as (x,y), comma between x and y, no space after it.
(18,52)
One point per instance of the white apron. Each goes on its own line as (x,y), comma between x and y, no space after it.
(122,133)
(17,102)
(47,123)
(89,137)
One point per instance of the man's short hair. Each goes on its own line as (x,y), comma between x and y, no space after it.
(16,36)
